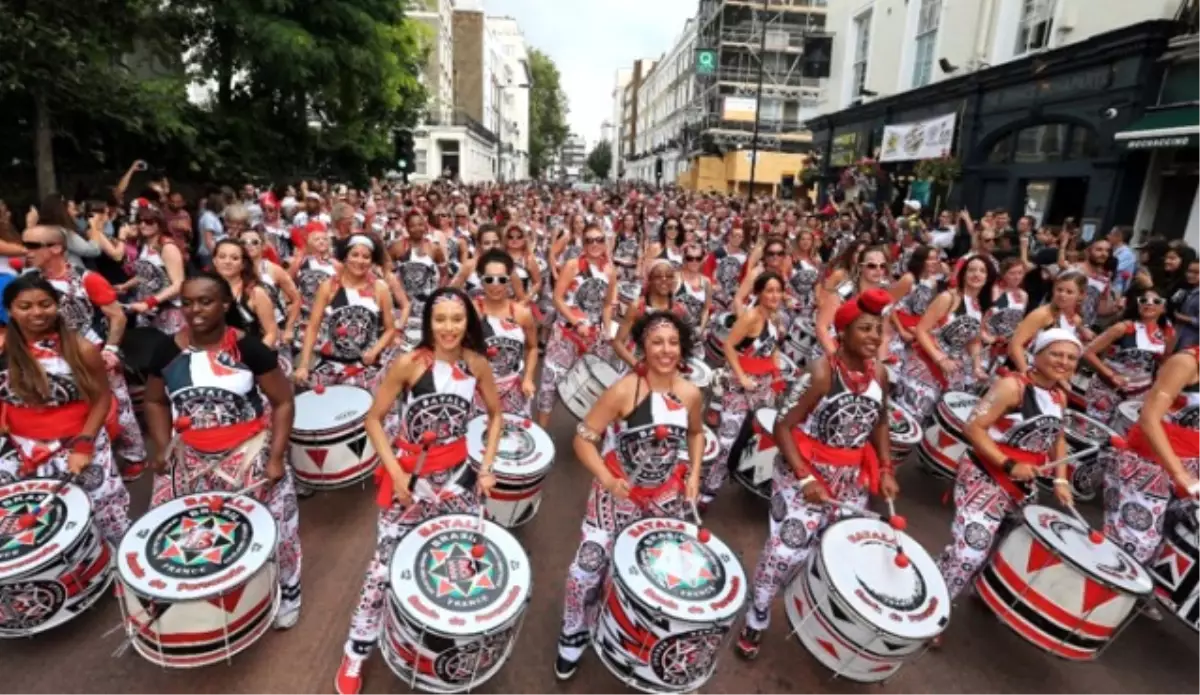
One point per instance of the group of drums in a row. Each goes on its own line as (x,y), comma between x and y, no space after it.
(198,579)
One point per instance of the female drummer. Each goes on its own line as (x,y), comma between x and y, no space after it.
(584,297)
(726,265)
(669,245)
(1126,355)
(348,316)
(857,270)
(312,265)
(769,256)
(509,335)
(947,355)
(1008,308)
(251,299)
(285,299)
(645,421)
(215,374)
(833,445)
(752,352)
(524,262)
(468,276)
(695,291)
(806,271)
(659,296)
(1016,428)
(1062,312)
(56,405)
(436,385)
(627,251)
(915,291)
(157,264)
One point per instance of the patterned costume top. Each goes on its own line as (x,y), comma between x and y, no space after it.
(273,291)
(215,388)
(803,284)
(727,271)
(1136,354)
(313,271)
(505,340)
(418,272)
(440,402)
(1035,424)
(1097,286)
(1006,314)
(649,444)
(959,328)
(762,345)
(81,294)
(353,321)
(919,297)
(151,271)
(691,298)
(844,418)
(588,291)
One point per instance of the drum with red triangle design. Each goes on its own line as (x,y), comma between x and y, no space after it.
(1060,586)
(198,581)
(329,444)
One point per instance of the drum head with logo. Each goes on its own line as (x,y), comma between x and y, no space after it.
(1105,561)
(189,548)
(957,406)
(1083,431)
(903,427)
(337,407)
(61,520)
(765,418)
(437,581)
(662,563)
(525,450)
(860,557)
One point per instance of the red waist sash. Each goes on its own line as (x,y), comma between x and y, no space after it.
(52,423)
(758,366)
(642,496)
(1183,441)
(909,321)
(1014,489)
(214,440)
(817,452)
(441,457)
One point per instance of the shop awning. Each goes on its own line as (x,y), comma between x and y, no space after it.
(1178,126)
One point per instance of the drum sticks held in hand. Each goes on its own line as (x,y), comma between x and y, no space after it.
(29,519)
(897,522)
(1116,441)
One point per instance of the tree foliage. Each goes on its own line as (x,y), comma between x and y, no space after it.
(600,159)
(547,112)
(297,87)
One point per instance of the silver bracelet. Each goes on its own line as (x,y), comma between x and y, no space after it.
(586,434)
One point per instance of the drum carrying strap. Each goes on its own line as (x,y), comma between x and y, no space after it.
(231,470)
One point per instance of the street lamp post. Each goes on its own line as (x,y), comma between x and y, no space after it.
(762,49)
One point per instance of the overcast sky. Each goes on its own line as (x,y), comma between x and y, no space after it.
(590,39)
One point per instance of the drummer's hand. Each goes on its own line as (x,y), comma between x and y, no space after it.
(159,464)
(1064,496)
(948,366)
(619,487)
(1186,482)
(888,487)
(981,374)
(905,334)
(288,336)
(77,462)
(112,361)
(370,357)
(1024,472)
(528,387)
(746,382)
(300,375)
(275,470)
(139,307)
(400,491)
(1119,382)
(814,493)
(693,487)
(486,483)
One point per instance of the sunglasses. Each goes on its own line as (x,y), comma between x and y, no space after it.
(37,245)
(495,279)
(1142,301)
(773,254)
(988,239)
(693,259)
(513,237)
(594,240)
(251,242)
(662,276)
(874,266)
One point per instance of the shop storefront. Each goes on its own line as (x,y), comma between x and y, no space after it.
(1032,136)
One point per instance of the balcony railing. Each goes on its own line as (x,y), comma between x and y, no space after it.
(461,119)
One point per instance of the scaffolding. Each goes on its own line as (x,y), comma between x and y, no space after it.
(735,29)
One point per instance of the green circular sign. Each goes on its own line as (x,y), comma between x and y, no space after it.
(705,59)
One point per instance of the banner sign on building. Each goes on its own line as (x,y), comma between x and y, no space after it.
(926,139)
(844,151)
(738,109)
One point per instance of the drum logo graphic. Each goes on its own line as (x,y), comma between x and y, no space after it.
(516,444)
(454,580)
(899,425)
(198,542)
(680,566)
(361,328)
(1037,434)
(590,295)
(682,659)
(16,542)
(210,406)
(847,420)
(27,605)
(441,413)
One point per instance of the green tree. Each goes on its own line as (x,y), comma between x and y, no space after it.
(600,159)
(547,112)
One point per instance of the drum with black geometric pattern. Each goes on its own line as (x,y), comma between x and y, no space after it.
(1059,590)
(523,459)
(452,619)
(856,610)
(753,453)
(53,562)
(1176,570)
(198,579)
(943,443)
(714,345)
(329,444)
(671,600)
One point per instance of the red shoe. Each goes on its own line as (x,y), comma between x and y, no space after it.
(349,675)
(132,470)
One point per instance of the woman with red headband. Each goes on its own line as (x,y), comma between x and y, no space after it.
(658,296)
(584,297)
(752,352)
(646,422)
(211,380)
(56,406)
(435,386)
(833,445)
(1016,428)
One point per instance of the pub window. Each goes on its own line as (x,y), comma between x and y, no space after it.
(1046,142)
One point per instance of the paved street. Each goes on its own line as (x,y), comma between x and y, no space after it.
(338,533)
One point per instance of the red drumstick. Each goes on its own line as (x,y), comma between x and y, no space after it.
(1093,535)
(702,533)
(478,550)
(898,524)
(427,440)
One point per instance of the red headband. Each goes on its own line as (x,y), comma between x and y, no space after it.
(874,302)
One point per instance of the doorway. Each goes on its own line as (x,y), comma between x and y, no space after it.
(1067,200)
(1175,198)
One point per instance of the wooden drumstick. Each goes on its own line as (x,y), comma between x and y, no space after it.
(1116,441)
(701,533)
(478,550)
(427,439)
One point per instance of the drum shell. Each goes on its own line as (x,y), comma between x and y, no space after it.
(342,465)
(902,446)
(515,500)
(1124,416)
(1014,587)
(76,581)
(940,451)
(583,384)
(1176,570)
(753,455)
(191,634)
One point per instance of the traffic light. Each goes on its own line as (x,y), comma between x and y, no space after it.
(404,150)
(817,53)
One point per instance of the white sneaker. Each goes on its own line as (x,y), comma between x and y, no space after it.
(286,620)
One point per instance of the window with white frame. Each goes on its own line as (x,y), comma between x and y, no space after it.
(1037,23)
(928,19)
(862,46)
(419,158)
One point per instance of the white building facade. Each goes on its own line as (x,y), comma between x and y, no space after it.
(512,82)
(886,47)
(613,128)
(664,104)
